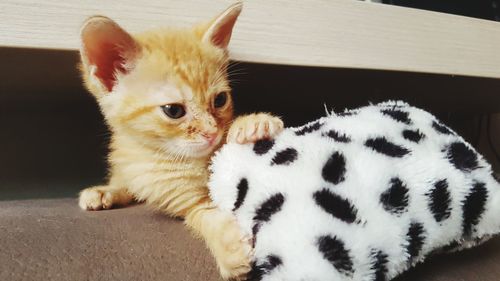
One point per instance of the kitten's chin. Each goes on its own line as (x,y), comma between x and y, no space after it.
(204,149)
(201,152)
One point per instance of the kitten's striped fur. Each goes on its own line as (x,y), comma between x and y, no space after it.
(161,160)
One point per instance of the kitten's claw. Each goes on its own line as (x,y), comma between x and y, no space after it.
(253,127)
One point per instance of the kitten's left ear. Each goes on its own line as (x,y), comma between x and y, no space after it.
(220,29)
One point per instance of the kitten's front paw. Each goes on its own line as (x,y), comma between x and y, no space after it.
(95,198)
(253,127)
(233,252)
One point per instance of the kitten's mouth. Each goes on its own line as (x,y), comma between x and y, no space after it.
(214,141)
(206,146)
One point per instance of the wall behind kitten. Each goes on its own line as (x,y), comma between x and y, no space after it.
(53,141)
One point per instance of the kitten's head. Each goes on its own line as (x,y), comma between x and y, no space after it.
(168,88)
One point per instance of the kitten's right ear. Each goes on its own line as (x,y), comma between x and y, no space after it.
(106,50)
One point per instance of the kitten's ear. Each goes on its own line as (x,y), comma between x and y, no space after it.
(106,50)
(220,29)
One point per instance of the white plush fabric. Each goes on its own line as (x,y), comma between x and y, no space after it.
(361,195)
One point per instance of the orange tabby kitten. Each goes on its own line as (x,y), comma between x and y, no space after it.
(166,98)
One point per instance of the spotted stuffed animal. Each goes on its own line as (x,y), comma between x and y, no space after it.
(360,195)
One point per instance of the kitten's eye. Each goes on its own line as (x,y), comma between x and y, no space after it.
(220,100)
(174,111)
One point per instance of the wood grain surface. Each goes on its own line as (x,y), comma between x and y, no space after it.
(334,33)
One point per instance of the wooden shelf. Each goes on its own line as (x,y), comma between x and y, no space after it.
(335,33)
(298,56)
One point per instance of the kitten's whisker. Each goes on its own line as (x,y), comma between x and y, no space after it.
(235,76)
(236,72)
(183,154)
(104,134)
(235,81)
(178,155)
(233,64)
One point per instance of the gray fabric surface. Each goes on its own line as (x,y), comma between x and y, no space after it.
(54,240)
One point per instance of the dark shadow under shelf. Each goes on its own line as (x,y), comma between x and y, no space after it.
(53,133)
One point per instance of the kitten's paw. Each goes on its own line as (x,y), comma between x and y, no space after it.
(95,198)
(253,127)
(233,252)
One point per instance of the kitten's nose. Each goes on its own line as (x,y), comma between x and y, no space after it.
(211,137)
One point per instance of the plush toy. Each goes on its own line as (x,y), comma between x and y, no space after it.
(360,195)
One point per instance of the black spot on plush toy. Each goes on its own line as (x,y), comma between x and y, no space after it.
(361,195)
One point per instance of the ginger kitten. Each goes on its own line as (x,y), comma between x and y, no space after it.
(166,98)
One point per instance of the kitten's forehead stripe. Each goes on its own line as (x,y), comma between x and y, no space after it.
(136,113)
(166,93)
